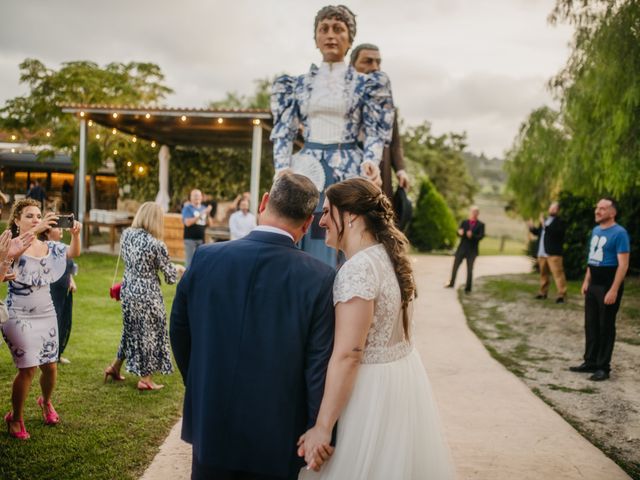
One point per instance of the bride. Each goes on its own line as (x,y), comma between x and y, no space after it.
(376,383)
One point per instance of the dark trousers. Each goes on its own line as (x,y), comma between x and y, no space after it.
(600,326)
(205,472)
(470,256)
(63,303)
(64,323)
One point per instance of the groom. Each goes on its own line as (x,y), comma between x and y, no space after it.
(252,329)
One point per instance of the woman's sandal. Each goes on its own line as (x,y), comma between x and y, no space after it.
(49,413)
(22,434)
(142,385)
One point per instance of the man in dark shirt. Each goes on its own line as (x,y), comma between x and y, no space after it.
(471,231)
(550,234)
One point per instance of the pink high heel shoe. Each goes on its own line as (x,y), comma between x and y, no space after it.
(22,434)
(49,413)
(142,385)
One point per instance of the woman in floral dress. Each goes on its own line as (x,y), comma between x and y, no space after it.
(31,332)
(145,342)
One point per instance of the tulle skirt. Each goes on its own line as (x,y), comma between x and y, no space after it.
(390,429)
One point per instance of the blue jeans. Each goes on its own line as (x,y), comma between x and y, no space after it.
(190,246)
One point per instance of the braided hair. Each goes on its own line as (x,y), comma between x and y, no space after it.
(361,197)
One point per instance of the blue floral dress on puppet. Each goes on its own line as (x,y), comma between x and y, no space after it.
(31,333)
(346,119)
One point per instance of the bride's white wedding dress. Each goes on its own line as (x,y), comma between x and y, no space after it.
(390,428)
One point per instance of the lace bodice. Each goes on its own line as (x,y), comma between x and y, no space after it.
(369,275)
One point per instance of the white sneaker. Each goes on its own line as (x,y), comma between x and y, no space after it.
(64,361)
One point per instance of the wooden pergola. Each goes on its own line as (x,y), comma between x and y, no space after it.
(177,126)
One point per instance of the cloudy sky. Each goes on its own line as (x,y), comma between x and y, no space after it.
(478,66)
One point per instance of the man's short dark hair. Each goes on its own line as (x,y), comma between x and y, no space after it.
(614,203)
(293,197)
(363,46)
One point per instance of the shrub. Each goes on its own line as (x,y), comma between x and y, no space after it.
(577,213)
(433,226)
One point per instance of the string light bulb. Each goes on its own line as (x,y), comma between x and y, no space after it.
(13,150)
(147,116)
(48,134)
(97,136)
(114,131)
(256,122)
(134,139)
(220,120)
(114,115)
(183,118)
(140,169)
(13,137)
(153,144)
(129,164)
(82,114)
(115,152)
(90,123)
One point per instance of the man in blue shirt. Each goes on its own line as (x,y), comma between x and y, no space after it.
(603,286)
(195,219)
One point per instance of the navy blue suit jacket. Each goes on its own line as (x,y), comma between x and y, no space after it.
(252,329)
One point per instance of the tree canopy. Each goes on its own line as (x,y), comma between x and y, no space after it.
(259,99)
(593,143)
(535,162)
(441,159)
(38,113)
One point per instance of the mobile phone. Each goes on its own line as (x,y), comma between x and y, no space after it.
(64,221)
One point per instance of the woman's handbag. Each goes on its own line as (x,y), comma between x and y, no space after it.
(114,291)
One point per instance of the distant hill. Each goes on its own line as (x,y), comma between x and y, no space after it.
(491,178)
(487,172)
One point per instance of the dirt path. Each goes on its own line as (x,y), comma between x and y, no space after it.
(538,340)
(496,428)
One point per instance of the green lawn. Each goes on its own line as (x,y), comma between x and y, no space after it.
(491,246)
(106,431)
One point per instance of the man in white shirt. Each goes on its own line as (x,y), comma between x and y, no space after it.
(242,221)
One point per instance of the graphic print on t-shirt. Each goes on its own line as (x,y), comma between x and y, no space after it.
(596,252)
(202,218)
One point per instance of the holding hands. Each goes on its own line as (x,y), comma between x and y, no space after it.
(315,447)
